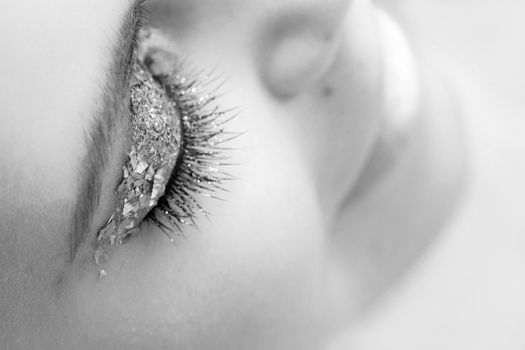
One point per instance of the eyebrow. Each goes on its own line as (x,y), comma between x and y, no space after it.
(100,135)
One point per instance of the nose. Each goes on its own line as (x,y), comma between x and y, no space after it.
(321,62)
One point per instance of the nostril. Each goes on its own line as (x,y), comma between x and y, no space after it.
(295,62)
(297,48)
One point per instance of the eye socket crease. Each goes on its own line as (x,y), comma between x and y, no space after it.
(102,132)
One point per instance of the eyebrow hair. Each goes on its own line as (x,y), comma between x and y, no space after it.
(100,135)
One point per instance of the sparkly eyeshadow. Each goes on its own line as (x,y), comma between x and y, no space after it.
(155,144)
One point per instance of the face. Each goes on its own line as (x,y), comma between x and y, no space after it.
(261,270)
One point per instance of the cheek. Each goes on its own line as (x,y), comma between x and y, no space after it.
(251,274)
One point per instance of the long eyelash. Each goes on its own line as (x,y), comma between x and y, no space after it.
(199,171)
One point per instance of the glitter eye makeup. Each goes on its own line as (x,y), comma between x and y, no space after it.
(175,154)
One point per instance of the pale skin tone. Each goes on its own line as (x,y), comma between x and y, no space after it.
(285,261)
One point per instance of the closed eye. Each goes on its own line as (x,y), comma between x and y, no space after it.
(176,156)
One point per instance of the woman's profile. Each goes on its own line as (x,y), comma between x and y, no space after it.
(184,174)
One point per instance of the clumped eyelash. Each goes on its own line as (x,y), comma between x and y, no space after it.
(199,171)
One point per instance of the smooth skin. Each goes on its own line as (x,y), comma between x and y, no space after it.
(289,259)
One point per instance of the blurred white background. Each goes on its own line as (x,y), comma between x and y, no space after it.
(485,38)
